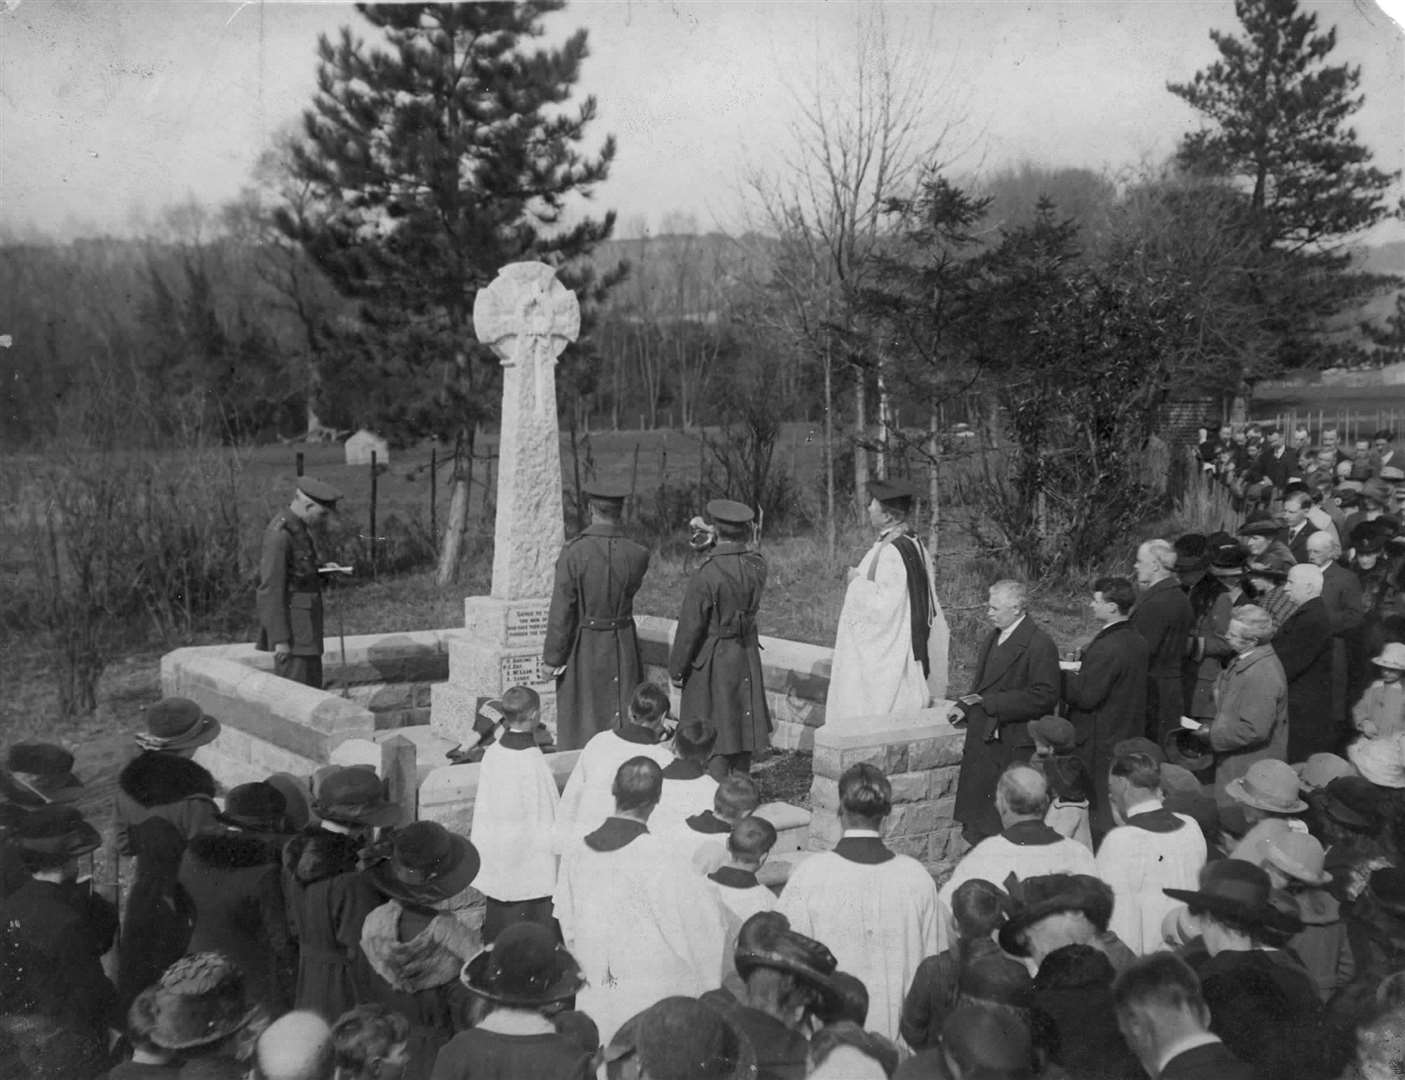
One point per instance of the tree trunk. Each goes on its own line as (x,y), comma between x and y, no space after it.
(882,465)
(933,487)
(457,524)
(831,526)
(860,445)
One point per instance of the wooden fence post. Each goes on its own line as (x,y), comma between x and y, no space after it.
(299,462)
(434,496)
(398,766)
(373,513)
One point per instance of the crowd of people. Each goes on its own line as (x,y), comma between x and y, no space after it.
(1185,858)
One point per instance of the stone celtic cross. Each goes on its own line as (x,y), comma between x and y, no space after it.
(527,318)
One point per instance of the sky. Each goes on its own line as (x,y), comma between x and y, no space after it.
(112,111)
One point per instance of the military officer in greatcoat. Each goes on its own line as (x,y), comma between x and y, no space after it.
(716,658)
(290,586)
(590,641)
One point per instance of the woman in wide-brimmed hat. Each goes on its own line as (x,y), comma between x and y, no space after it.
(413,943)
(524,972)
(1262,1001)
(1295,865)
(53,934)
(1265,802)
(162,780)
(682,1037)
(327,896)
(1052,910)
(232,873)
(200,1009)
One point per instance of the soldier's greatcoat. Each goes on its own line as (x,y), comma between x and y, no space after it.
(590,629)
(716,653)
(290,591)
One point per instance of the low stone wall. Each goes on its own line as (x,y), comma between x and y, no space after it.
(796,677)
(920,753)
(273,725)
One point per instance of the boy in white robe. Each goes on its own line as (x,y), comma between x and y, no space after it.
(876,910)
(738,891)
(687,787)
(702,838)
(884,661)
(1151,849)
(586,801)
(513,818)
(632,913)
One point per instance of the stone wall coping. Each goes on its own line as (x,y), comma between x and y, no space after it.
(886,730)
(360,648)
(778,655)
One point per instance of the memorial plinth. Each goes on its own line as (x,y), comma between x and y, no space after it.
(527,317)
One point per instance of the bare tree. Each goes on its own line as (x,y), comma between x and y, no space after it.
(860,138)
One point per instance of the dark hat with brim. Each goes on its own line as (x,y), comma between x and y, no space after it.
(353,795)
(730,512)
(1226,555)
(900,493)
(1037,898)
(297,799)
(319,491)
(1192,553)
(1368,542)
(258,807)
(525,968)
(199,1000)
(56,830)
(1355,802)
(1139,744)
(1272,569)
(1387,888)
(605,491)
(1184,748)
(427,865)
(37,774)
(1055,730)
(766,940)
(1377,490)
(681,1038)
(177,723)
(1260,527)
(1236,890)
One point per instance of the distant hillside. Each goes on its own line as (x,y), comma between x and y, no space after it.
(1386,258)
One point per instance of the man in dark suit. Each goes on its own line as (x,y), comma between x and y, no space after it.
(591,645)
(1163,1016)
(1163,617)
(1277,462)
(1304,647)
(1106,695)
(1017,680)
(1296,527)
(1341,596)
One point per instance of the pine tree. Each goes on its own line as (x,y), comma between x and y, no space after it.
(1279,134)
(440,154)
(1280,122)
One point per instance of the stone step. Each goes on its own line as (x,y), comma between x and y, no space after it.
(792,825)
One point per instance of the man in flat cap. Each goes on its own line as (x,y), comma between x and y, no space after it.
(890,652)
(290,586)
(590,641)
(716,658)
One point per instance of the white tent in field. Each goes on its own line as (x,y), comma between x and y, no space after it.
(361,445)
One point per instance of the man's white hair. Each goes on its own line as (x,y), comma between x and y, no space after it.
(1013,591)
(1324,542)
(1309,576)
(1161,551)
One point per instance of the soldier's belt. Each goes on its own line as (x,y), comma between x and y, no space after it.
(590,622)
(744,626)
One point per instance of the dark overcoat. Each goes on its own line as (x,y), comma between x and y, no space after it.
(1346,607)
(155,784)
(234,880)
(330,916)
(1106,700)
(1018,682)
(159,914)
(590,629)
(1304,648)
(716,653)
(1163,616)
(290,589)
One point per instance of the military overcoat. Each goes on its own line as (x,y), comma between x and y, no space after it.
(715,649)
(290,591)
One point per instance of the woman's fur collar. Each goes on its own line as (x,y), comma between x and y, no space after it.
(316,854)
(232,850)
(431,958)
(156,779)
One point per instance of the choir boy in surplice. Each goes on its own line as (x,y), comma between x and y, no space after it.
(639,920)
(875,909)
(513,818)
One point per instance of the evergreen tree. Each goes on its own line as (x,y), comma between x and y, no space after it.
(1279,130)
(1280,121)
(440,154)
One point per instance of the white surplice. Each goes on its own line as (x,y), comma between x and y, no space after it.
(514,814)
(587,800)
(641,924)
(874,672)
(879,920)
(1139,864)
(681,799)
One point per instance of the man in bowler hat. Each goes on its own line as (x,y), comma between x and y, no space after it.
(591,645)
(716,657)
(290,586)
